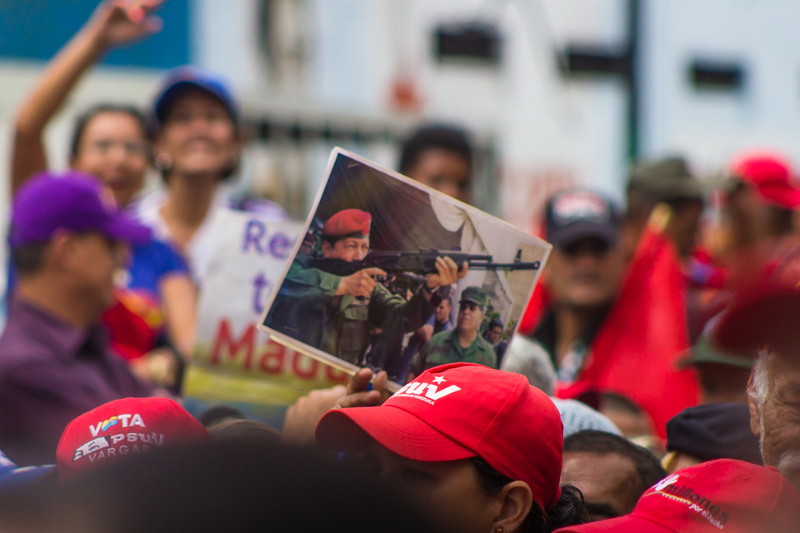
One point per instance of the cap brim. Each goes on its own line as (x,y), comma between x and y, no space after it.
(125,229)
(621,524)
(780,196)
(581,230)
(702,352)
(178,87)
(349,430)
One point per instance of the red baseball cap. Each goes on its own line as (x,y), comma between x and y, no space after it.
(458,411)
(723,495)
(771,176)
(348,222)
(122,427)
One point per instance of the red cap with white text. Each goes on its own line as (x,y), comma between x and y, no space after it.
(124,427)
(725,495)
(458,411)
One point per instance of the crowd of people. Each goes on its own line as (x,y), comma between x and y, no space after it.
(652,383)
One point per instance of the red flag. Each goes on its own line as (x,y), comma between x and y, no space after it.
(636,350)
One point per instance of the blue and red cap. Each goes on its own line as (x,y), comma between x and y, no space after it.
(71,201)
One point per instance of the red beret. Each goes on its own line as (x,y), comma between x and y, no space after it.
(348,222)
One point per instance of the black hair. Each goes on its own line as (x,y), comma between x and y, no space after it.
(568,511)
(648,468)
(434,136)
(28,259)
(219,413)
(494,323)
(83,119)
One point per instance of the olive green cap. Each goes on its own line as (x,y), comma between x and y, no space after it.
(475,295)
(665,179)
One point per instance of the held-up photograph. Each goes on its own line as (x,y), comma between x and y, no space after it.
(395,276)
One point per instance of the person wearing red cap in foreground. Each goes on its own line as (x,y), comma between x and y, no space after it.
(122,428)
(336,313)
(723,495)
(481,448)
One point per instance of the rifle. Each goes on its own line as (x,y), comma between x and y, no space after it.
(422,262)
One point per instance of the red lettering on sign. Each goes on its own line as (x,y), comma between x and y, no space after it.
(226,344)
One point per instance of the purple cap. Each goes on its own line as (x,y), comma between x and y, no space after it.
(579,213)
(71,201)
(180,79)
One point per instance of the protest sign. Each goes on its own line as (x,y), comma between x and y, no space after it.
(364,286)
(234,363)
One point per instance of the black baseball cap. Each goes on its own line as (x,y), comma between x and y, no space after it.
(714,431)
(579,213)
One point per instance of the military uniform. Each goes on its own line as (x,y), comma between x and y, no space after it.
(308,309)
(444,348)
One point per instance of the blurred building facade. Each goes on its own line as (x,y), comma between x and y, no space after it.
(557,92)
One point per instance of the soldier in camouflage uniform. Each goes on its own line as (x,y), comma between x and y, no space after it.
(336,313)
(464,343)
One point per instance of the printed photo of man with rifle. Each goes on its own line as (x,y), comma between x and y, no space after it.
(327,304)
(380,253)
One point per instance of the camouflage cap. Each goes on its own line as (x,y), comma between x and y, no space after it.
(665,179)
(474,295)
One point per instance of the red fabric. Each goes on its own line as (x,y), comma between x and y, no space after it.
(722,495)
(133,323)
(539,301)
(635,351)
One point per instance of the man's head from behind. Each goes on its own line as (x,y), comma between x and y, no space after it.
(439,157)
(774,401)
(68,227)
(611,471)
(345,235)
(586,266)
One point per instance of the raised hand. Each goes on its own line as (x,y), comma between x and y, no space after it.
(447,273)
(119,22)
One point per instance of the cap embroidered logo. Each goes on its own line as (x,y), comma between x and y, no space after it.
(427,392)
(126,420)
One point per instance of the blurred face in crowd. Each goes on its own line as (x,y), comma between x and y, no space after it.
(470,317)
(347,249)
(444,170)
(775,416)
(113,147)
(443,311)
(684,225)
(607,481)
(198,136)
(92,261)
(584,275)
(494,334)
(449,489)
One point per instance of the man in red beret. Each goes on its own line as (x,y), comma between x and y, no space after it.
(336,312)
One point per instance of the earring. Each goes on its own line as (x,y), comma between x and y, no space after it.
(499,530)
(163,161)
